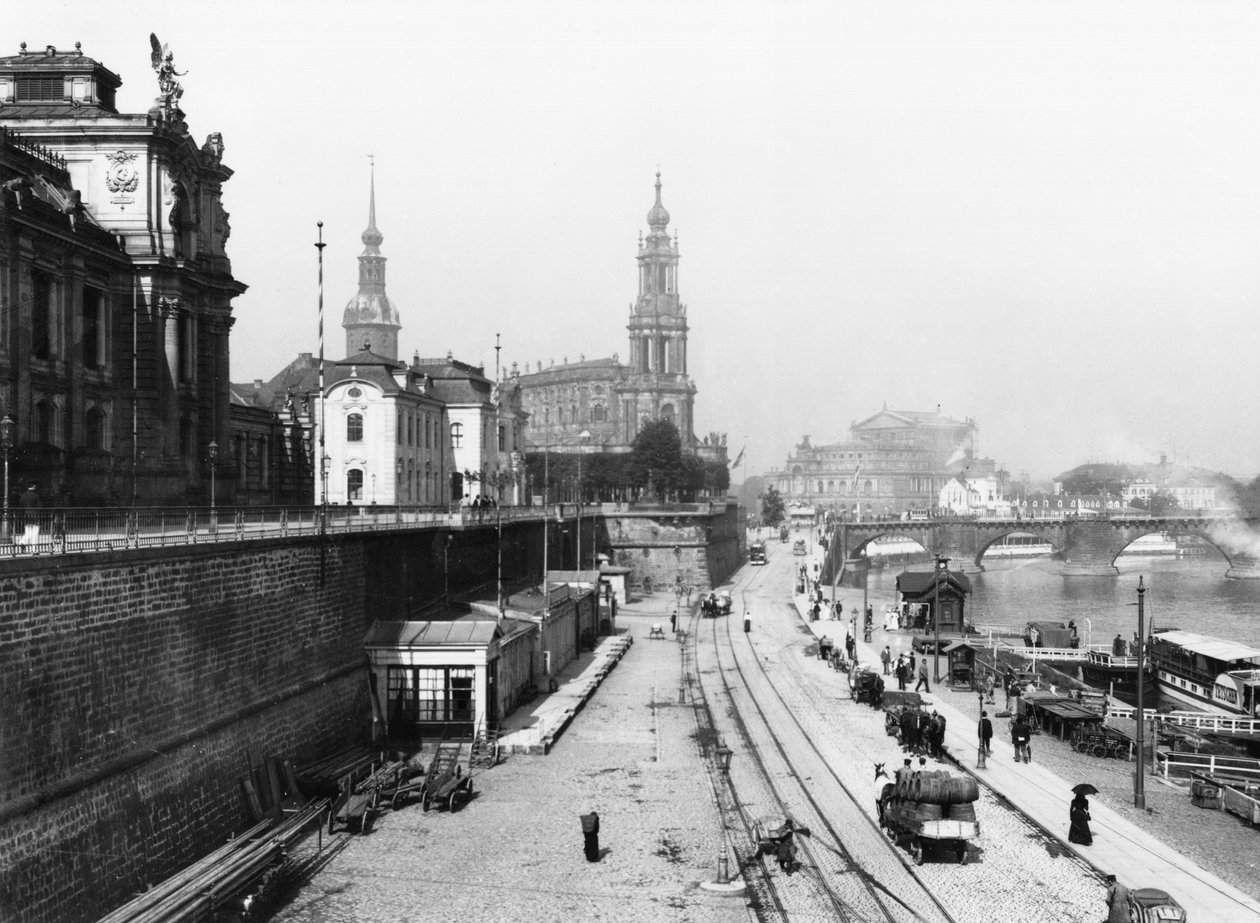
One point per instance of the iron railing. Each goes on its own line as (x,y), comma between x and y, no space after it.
(64,531)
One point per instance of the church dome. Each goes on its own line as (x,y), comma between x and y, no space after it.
(370,308)
(658,217)
(371,237)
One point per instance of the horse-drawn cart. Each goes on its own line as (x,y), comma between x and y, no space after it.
(931,813)
(865,685)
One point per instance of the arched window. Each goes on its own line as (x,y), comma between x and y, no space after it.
(46,422)
(354,429)
(599,413)
(94,429)
(354,484)
(667,413)
(264,462)
(457,435)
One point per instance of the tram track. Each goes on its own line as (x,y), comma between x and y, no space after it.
(832,884)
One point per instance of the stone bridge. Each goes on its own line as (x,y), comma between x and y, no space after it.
(1085,547)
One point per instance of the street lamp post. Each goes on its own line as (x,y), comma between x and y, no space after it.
(398,479)
(6,445)
(941,566)
(722,756)
(1139,780)
(577,544)
(214,457)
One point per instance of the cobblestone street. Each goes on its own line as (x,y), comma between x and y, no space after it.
(515,851)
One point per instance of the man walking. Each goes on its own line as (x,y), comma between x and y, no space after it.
(885,657)
(1021,733)
(901,672)
(985,732)
(923,676)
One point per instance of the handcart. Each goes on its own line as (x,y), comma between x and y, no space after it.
(826,647)
(446,782)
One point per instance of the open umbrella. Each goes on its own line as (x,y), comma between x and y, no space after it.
(1084,789)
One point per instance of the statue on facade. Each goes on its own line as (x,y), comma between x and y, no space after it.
(164,63)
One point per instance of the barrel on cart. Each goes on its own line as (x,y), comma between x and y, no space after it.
(933,813)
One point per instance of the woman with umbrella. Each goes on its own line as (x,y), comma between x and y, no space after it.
(1078,815)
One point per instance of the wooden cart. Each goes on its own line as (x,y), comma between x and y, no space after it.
(446,783)
(922,835)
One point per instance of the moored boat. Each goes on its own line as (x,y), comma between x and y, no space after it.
(1206,672)
(1117,674)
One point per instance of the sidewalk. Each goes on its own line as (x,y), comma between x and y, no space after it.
(515,850)
(534,728)
(1120,848)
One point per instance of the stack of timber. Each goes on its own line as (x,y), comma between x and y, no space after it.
(233,879)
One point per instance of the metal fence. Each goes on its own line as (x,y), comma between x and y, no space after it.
(65,531)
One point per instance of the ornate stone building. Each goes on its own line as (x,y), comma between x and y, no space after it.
(602,402)
(115,286)
(429,433)
(892,462)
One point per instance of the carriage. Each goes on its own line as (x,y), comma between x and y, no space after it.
(865,685)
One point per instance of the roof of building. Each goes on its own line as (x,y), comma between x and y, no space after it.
(916,583)
(1208,646)
(465,632)
(590,577)
(567,369)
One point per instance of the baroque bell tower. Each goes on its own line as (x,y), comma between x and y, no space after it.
(369,317)
(659,386)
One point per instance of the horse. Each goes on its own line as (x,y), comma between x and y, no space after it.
(883,790)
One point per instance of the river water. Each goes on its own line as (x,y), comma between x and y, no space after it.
(1190,593)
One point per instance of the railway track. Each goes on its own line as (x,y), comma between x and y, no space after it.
(804,750)
(832,883)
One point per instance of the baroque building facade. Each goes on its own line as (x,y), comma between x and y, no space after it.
(892,462)
(115,287)
(431,432)
(603,403)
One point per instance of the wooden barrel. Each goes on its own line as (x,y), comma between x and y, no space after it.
(963,812)
(929,812)
(929,789)
(962,790)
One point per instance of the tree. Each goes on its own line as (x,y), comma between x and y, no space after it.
(772,507)
(656,457)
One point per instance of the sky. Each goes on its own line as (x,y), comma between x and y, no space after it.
(1043,217)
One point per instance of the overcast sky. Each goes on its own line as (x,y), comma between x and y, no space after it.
(1042,217)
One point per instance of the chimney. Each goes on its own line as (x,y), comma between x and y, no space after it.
(257,384)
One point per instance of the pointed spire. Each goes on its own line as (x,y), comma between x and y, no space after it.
(371,237)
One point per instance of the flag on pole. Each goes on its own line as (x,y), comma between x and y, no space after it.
(856,472)
(738,458)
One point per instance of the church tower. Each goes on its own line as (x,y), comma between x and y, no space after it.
(369,317)
(658,335)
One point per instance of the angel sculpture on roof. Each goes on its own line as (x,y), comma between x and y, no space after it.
(164,63)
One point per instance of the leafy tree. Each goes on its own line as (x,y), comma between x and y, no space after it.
(657,457)
(772,506)
(1162,503)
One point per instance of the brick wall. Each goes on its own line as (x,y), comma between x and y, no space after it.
(141,681)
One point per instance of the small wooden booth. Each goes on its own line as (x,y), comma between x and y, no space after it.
(938,597)
(962,662)
(446,677)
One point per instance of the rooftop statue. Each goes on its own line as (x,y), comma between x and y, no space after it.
(164,64)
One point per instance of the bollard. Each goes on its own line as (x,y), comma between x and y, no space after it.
(980,757)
